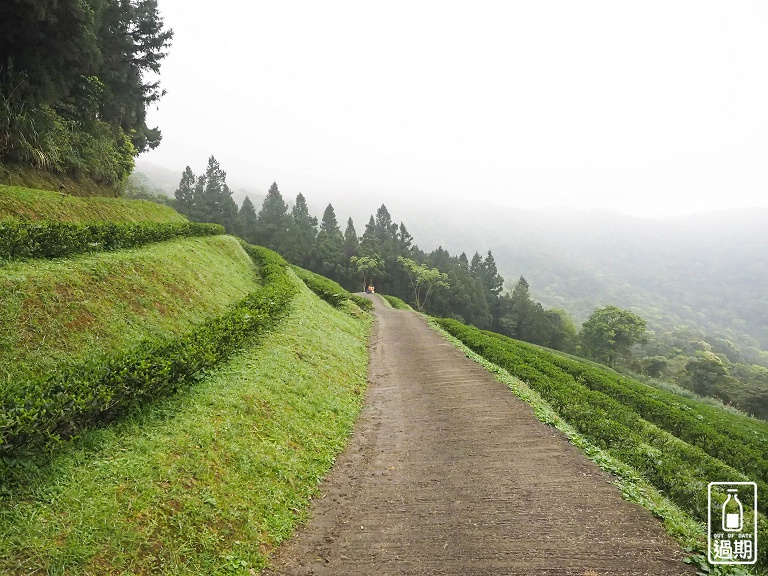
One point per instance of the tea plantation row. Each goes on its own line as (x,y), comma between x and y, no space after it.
(36,415)
(677,446)
(21,239)
(329,290)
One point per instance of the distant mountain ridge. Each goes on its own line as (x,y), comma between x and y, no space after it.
(707,271)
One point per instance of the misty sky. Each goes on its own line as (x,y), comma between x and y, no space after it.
(650,108)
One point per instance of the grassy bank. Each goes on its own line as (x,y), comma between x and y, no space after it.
(21,203)
(206,482)
(70,308)
(395,302)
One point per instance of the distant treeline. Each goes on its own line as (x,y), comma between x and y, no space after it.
(472,291)
(474,285)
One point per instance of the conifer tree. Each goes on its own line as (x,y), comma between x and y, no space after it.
(185,193)
(405,241)
(247,221)
(491,279)
(302,233)
(217,204)
(273,222)
(476,266)
(385,230)
(350,241)
(370,245)
(350,250)
(520,306)
(329,246)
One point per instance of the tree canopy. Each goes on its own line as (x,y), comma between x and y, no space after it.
(610,332)
(75,84)
(423,280)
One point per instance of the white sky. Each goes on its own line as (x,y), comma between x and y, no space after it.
(650,108)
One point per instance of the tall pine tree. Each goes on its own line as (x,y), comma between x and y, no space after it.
(247,221)
(185,193)
(302,233)
(273,223)
(329,246)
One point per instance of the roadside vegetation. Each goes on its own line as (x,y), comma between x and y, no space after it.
(395,302)
(166,408)
(331,291)
(65,310)
(42,412)
(209,480)
(675,444)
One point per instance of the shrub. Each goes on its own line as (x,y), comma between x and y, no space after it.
(37,415)
(679,447)
(55,239)
(395,302)
(329,290)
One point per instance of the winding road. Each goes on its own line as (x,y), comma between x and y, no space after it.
(448,472)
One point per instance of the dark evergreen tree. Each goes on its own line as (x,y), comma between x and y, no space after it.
(302,234)
(329,247)
(492,280)
(370,245)
(247,221)
(350,241)
(185,193)
(75,84)
(405,241)
(476,266)
(274,222)
(216,202)
(133,45)
(385,230)
(520,307)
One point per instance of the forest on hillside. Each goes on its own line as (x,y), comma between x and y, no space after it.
(76,77)
(472,290)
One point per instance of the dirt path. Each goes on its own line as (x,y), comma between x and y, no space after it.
(449,473)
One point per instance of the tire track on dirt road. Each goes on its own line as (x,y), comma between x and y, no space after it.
(448,472)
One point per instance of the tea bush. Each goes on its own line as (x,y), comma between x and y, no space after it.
(329,290)
(688,448)
(36,415)
(50,239)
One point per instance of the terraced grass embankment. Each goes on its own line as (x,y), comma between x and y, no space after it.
(25,204)
(209,480)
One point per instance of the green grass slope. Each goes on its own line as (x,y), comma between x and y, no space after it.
(67,309)
(674,445)
(209,480)
(19,203)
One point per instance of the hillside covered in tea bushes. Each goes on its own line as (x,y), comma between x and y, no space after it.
(163,387)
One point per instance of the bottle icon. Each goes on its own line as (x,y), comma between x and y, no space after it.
(733,512)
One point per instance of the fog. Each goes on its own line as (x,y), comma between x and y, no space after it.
(648,108)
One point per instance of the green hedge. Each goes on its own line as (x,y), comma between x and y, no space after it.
(37,415)
(329,290)
(19,239)
(396,302)
(675,457)
(736,440)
